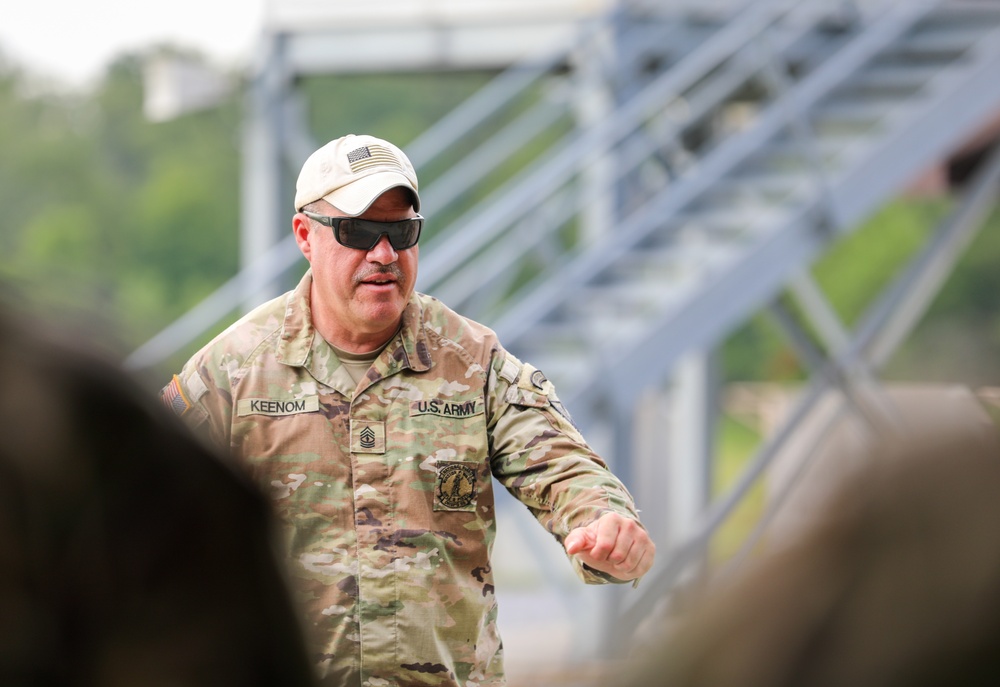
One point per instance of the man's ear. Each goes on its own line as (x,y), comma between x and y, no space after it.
(300,228)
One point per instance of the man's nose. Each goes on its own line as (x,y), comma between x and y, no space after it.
(383,252)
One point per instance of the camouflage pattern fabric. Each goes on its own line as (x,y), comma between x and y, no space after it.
(386,488)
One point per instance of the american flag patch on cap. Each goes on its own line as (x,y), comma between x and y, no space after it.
(173,397)
(372,156)
(358,154)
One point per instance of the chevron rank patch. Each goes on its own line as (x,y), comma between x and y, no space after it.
(367,436)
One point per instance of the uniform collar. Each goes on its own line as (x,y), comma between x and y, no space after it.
(300,345)
(408,349)
(297,331)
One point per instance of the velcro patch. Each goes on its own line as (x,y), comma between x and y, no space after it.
(277,406)
(510,370)
(367,436)
(444,408)
(195,386)
(173,397)
(456,486)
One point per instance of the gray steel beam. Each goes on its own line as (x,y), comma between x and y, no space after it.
(263,166)
(885,324)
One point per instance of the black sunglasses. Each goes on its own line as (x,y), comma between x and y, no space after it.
(364,234)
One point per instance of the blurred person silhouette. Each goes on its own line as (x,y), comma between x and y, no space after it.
(895,583)
(129,553)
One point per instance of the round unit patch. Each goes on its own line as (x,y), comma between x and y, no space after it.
(456,487)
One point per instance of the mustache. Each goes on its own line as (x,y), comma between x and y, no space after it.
(391,268)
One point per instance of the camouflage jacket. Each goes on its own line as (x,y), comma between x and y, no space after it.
(386,488)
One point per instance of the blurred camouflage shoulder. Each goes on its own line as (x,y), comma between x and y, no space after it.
(230,349)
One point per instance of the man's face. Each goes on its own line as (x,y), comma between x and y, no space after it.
(358,296)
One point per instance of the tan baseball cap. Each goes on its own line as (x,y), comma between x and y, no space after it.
(352,171)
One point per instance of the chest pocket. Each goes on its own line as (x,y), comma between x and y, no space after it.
(449,436)
(457,485)
(453,427)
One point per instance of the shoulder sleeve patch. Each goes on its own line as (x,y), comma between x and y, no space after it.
(173,397)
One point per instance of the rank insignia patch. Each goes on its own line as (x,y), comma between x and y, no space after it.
(367,436)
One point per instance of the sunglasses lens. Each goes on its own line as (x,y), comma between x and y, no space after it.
(408,232)
(354,234)
(364,234)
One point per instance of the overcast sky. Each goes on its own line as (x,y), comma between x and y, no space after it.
(72,40)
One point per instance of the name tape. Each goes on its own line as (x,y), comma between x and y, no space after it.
(274,406)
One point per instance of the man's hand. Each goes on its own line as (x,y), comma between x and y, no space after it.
(613,544)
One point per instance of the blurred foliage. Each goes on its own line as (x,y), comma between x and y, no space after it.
(396,107)
(109,215)
(132,222)
(128,223)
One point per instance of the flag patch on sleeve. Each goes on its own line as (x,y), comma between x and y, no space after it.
(173,397)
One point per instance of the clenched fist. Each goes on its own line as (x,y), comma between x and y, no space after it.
(613,544)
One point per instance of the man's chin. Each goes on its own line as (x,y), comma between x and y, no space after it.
(380,315)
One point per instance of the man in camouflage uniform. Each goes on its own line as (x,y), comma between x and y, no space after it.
(378,417)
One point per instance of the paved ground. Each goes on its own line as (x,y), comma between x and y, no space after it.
(550,622)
